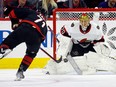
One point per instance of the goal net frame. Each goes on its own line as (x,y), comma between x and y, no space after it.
(71,10)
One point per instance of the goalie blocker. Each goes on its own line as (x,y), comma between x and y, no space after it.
(64,46)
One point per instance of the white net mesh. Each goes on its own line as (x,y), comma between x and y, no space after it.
(75,15)
(105,18)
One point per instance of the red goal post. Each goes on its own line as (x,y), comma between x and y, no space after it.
(102,16)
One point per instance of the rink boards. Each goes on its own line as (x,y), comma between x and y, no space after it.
(14,58)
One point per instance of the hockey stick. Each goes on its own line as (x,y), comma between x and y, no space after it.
(53,33)
(57,61)
(55,38)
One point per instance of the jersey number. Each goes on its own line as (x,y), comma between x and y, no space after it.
(40,20)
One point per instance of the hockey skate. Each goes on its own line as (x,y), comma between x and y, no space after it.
(4,52)
(19,76)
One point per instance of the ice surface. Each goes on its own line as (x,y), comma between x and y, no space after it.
(34,78)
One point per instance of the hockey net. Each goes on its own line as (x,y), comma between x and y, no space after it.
(106,20)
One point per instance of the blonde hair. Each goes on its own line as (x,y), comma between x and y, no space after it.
(45,4)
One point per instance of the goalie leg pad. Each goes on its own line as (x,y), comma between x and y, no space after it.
(102,49)
(100,62)
(50,68)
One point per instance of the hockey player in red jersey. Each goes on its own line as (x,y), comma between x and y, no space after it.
(29,27)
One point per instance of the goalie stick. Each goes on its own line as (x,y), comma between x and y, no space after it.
(69,58)
(74,64)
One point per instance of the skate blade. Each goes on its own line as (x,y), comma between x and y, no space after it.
(18,79)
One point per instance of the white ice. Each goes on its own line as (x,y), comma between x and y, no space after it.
(34,78)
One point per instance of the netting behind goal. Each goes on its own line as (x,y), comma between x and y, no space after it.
(105,18)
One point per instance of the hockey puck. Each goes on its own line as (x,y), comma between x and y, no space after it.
(65,60)
(48,73)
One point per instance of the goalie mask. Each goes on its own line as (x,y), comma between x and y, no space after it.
(84,21)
